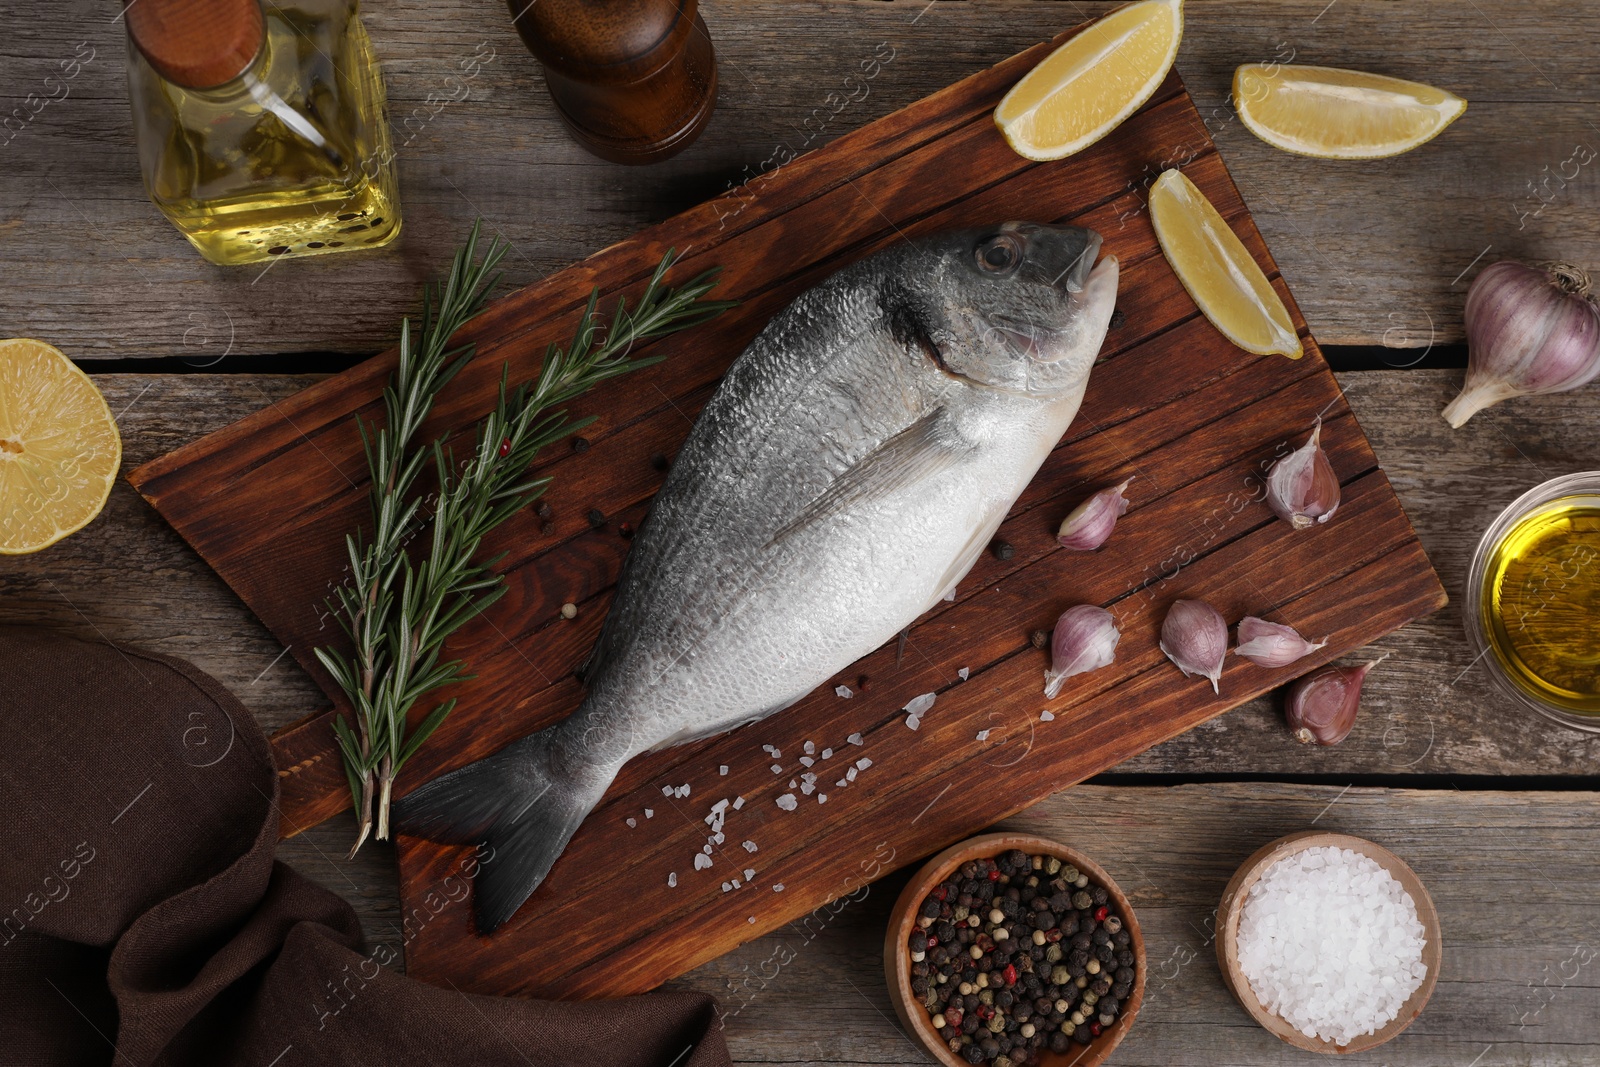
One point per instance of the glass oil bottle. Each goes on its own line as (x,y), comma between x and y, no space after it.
(261,126)
(1533,608)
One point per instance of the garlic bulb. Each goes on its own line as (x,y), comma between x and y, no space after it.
(1301,487)
(1089,524)
(1322,706)
(1195,637)
(1085,640)
(1528,331)
(1271,644)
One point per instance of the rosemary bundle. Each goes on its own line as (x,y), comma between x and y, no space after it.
(401,603)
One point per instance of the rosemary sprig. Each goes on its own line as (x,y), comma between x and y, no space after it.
(399,612)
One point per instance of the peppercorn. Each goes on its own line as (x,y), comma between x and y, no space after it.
(919,986)
(1040,639)
(1083,1035)
(1110,1005)
(1059,1044)
(1082,900)
(597,519)
(1002,549)
(1099,895)
(1101,985)
(580,445)
(659,461)
(1114,926)
(569,611)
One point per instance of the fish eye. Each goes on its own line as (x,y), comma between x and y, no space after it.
(999,254)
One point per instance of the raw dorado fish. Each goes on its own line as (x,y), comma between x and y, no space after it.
(847,473)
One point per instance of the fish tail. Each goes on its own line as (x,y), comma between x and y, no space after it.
(510,802)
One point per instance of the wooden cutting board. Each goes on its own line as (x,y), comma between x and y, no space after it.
(268,500)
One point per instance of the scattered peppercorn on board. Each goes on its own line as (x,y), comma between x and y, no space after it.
(267,502)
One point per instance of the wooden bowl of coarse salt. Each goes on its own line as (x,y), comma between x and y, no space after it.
(1352,899)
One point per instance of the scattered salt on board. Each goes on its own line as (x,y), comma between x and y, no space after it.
(787,802)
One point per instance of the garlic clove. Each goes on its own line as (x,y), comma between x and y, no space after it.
(1085,640)
(1529,331)
(1195,638)
(1088,525)
(1321,707)
(1301,487)
(1271,644)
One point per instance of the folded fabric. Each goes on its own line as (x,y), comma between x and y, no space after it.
(145,920)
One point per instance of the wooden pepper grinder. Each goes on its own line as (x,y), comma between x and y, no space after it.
(634,80)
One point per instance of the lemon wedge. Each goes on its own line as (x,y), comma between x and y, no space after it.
(59,447)
(1087,87)
(1217,270)
(1340,114)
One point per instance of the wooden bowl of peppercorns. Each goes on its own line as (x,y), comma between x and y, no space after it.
(1040,954)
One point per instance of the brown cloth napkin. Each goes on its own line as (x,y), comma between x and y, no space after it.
(143,919)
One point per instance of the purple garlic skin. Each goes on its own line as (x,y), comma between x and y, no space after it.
(1528,331)
(1271,644)
(1195,638)
(1085,640)
(1089,525)
(1322,706)
(1301,487)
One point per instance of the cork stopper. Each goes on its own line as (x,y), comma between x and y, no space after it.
(198,44)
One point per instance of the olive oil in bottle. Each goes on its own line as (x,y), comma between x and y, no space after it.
(1540,604)
(261,126)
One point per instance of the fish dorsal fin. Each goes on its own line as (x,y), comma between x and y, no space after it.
(920,451)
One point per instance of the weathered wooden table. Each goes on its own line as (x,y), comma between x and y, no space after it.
(1497,813)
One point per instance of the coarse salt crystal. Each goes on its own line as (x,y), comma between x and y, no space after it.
(963,674)
(850,775)
(1045,716)
(749,873)
(751,920)
(822,798)
(1330,942)
(632,821)
(855,739)
(919,705)
(778,888)
(827,753)
(863,763)
(983,735)
(726,887)
(738,802)
(912,722)
(749,846)
(672,879)
(807,788)
(787,802)
(701,861)
(810,748)
(776,769)
(736,883)
(722,769)
(649,813)
(842,691)
(842,783)
(666,790)
(807,761)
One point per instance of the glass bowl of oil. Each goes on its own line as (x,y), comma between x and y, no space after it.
(1533,600)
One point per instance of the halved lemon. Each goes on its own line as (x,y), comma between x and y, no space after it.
(1340,114)
(59,447)
(1087,87)
(1217,270)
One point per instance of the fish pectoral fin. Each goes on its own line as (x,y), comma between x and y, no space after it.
(920,451)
